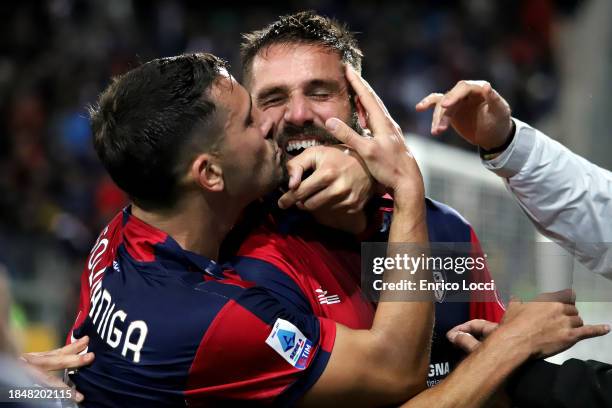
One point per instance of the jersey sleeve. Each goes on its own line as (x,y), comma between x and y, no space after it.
(492,309)
(263,271)
(548,181)
(258,351)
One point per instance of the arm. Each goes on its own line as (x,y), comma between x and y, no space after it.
(388,363)
(474,382)
(529,330)
(574,384)
(568,198)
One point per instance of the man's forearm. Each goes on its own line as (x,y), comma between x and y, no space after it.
(477,378)
(573,384)
(563,194)
(407,324)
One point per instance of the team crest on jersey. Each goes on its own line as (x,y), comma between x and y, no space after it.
(288,341)
(439,277)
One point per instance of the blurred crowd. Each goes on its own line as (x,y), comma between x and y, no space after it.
(57,55)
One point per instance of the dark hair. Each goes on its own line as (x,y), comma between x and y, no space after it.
(151,120)
(305,27)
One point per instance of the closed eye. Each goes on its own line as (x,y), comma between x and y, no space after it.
(272,101)
(320,95)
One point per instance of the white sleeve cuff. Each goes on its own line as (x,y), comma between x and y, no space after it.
(512,160)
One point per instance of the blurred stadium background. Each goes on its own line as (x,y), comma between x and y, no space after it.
(552,60)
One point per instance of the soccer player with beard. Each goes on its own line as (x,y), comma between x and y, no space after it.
(169,326)
(294,69)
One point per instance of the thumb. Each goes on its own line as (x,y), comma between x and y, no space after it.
(345,134)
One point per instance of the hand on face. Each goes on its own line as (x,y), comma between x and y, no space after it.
(388,158)
(340,180)
(474,109)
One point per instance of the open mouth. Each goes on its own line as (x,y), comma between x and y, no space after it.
(297,146)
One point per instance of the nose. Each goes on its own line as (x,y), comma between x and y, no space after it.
(298,111)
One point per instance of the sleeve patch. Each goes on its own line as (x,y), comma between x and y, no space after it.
(288,341)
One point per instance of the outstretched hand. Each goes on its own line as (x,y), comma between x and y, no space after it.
(545,326)
(474,109)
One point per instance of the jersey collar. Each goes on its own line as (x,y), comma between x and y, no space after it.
(146,243)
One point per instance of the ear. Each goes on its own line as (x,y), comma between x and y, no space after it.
(207,173)
(362,115)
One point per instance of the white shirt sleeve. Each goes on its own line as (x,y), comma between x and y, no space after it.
(568,198)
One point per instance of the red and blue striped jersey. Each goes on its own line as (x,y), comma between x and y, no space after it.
(298,259)
(172,328)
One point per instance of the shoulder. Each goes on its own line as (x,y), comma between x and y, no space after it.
(446,224)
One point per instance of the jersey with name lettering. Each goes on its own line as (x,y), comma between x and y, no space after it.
(172,328)
(298,259)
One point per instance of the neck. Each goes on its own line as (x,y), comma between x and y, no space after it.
(196,224)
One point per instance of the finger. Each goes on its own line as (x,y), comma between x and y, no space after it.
(318,180)
(295,175)
(77,396)
(287,200)
(54,382)
(378,117)
(591,330)
(462,90)
(495,101)
(346,135)
(324,198)
(576,321)
(449,104)
(435,121)
(463,327)
(43,378)
(465,341)
(60,362)
(570,310)
(308,187)
(301,163)
(358,78)
(74,348)
(446,116)
(477,327)
(427,102)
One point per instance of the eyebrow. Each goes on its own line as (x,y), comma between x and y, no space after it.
(247,118)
